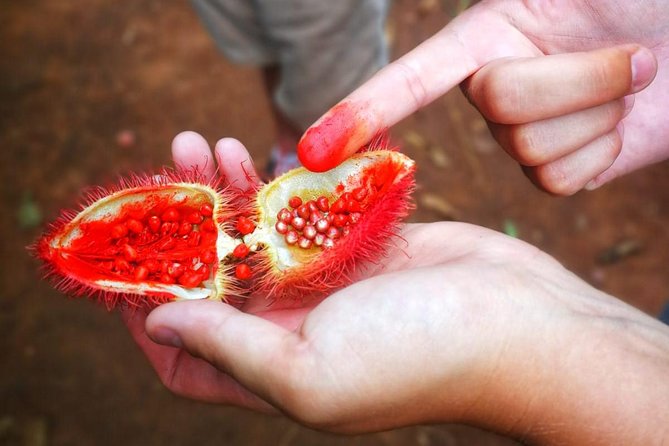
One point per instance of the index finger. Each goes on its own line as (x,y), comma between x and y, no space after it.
(413,81)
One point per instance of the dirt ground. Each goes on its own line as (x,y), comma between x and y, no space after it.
(76,75)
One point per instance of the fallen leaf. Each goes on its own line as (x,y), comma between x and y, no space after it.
(439,157)
(437,204)
(415,140)
(29,213)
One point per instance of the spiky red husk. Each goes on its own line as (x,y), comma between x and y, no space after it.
(63,278)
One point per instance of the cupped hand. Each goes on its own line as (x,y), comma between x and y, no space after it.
(577,92)
(450,325)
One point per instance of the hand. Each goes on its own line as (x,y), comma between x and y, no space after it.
(550,77)
(459,323)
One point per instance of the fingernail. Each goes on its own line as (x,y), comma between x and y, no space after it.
(644,67)
(166,336)
(629,104)
(592,185)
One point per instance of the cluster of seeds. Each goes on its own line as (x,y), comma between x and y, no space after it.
(172,245)
(317,222)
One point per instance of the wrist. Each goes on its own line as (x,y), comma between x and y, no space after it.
(586,377)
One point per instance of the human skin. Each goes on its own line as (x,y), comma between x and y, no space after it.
(576,92)
(456,324)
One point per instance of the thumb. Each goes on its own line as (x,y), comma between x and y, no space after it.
(252,350)
(430,70)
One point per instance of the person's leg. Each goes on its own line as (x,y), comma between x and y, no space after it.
(313,53)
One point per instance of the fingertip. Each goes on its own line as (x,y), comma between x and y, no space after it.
(236,164)
(191,151)
(644,68)
(334,137)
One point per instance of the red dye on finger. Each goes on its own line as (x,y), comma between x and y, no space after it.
(325,145)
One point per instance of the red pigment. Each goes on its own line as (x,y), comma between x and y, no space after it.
(156,240)
(325,145)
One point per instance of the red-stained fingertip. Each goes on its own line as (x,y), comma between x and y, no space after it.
(335,137)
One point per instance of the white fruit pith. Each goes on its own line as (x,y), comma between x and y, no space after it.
(307,185)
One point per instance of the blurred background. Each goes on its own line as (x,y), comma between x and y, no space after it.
(93,89)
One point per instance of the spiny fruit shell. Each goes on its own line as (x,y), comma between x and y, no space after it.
(175,236)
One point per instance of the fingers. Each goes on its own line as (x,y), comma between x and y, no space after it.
(191,151)
(530,89)
(186,375)
(537,143)
(255,352)
(571,173)
(545,110)
(236,164)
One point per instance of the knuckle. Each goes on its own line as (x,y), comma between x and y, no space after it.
(413,83)
(300,393)
(556,180)
(526,147)
(497,95)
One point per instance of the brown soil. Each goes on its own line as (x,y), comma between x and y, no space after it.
(75,74)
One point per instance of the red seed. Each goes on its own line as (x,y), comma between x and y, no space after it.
(359,193)
(141,272)
(167,244)
(281,227)
(209,238)
(166,278)
(315,216)
(323,203)
(340,220)
(194,239)
(189,279)
(309,232)
(129,253)
(203,271)
(165,228)
(164,266)
(208,256)
(119,231)
(345,231)
(134,225)
(328,243)
(207,210)
(208,225)
(353,206)
(170,214)
(354,217)
(154,223)
(152,265)
(292,237)
(332,232)
(311,204)
(245,225)
(319,239)
(330,218)
(338,206)
(298,223)
(304,211)
(121,264)
(295,202)
(304,243)
(346,196)
(243,271)
(284,215)
(322,225)
(194,218)
(176,270)
(241,251)
(185,228)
